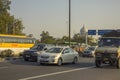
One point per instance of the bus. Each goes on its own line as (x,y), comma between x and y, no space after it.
(15,43)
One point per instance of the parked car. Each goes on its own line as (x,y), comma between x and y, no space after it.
(89,52)
(59,55)
(33,52)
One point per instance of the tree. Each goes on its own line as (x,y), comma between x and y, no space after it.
(30,35)
(9,24)
(4,6)
(81,39)
(17,27)
(78,38)
(46,38)
(4,15)
(65,38)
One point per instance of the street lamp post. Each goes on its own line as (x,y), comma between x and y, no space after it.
(69,22)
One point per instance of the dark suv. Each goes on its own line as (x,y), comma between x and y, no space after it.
(33,52)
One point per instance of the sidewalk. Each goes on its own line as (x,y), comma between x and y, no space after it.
(2,60)
(9,59)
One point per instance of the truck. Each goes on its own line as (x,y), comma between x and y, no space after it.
(108,52)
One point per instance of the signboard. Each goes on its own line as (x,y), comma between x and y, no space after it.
(102,32)
(91,32)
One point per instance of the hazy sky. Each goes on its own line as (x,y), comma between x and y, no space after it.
(52,15)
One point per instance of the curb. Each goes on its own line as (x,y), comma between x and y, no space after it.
(2,60)
(10,59)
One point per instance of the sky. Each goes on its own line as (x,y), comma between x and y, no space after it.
(52,15)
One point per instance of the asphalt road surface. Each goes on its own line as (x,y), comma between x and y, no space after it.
(84,70)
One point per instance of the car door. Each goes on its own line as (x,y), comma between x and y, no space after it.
(66,55)
(72,55)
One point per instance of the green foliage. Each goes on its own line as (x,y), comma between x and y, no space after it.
(4,6)
(77,38)
(8,24)
(6,53)
(45,38)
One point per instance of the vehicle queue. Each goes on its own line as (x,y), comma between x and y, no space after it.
(107,52)
(51,54)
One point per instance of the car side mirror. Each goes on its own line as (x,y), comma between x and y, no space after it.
(63,52)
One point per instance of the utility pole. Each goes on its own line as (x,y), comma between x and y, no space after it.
(69,22)
(86,40)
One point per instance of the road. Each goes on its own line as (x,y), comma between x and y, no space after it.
(84,70)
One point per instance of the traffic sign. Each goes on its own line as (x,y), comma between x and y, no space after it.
(91,32)
(102,32)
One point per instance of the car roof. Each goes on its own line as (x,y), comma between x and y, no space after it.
(110,37)
(61,47)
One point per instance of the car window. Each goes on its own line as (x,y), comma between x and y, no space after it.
(109,42)
(66,51)
(54,50)
(40,47)
(70,50)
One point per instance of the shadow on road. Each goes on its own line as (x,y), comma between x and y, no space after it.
(83,62)
(107,66)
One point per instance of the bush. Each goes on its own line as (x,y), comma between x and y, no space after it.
(6,53)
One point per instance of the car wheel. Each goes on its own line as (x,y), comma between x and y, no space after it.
(118,63)
(112,63)
(75,61)
(26,59)
(59,62)
(98,63)
(41,63)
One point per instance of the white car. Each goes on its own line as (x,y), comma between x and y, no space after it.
(89,52)
(58,55)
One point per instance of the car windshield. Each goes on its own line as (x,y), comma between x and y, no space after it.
(38,47)
(109,42)
(54,50)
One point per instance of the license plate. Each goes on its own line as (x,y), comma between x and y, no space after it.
(43,60)
(105,59)
(27,55)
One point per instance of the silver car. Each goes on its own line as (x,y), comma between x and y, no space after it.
(58,55)
(89,52)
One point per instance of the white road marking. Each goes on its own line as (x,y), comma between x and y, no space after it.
(51,74)
(3,67)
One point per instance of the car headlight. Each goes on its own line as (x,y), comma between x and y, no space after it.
(113,55)
(35,54)
(98,54)
(92,52)
(53,56)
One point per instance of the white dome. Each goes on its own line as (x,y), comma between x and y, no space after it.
(83,31)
